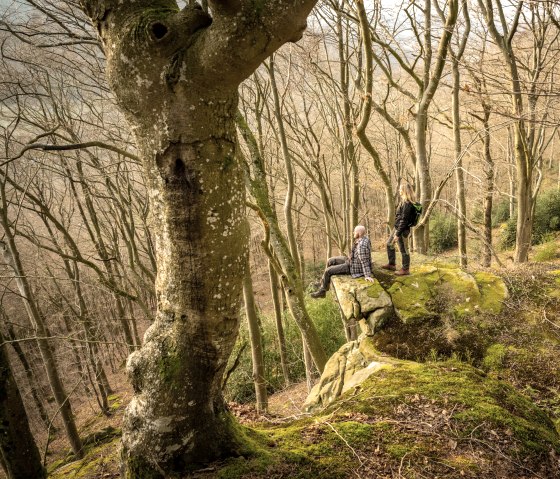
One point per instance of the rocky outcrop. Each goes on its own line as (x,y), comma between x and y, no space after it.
(430,310)
(351,365)
(362,302)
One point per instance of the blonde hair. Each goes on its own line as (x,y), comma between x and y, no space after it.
(407,192)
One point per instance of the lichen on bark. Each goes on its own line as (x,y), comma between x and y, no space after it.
(175,74)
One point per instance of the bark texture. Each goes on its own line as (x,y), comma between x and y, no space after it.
(175,74)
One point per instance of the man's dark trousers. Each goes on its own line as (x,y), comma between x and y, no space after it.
(335,265)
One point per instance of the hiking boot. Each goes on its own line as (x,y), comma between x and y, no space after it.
(390,267)
(402,272)
(321,293)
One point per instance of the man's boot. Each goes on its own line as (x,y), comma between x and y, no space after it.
(390,267)
(321,293)
(402,272)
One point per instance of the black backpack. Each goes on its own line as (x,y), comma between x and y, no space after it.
(417,212)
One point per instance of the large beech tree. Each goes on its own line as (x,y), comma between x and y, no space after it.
(175,74)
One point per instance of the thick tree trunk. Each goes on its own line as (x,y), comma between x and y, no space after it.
(175,73)
(201,247)
(19,453)
(256,344)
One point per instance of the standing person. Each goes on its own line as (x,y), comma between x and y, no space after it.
(358,265)
(404,219)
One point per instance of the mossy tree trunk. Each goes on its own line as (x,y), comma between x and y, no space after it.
(175,74)
(18,451)
(279,251)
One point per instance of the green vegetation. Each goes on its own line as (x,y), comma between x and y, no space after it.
(443,232)
(545,222)
(500,212)
(547,252)
(326,317)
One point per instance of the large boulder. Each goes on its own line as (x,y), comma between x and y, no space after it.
(362,302)
(435,289)
(438,310)
(352,364)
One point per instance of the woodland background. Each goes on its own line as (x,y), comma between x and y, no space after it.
(373,95)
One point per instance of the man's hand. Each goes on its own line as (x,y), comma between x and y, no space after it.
(395,239)
(370,279)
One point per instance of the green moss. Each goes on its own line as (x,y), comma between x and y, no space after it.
(400,450)
(170,365)
(493,291)
(494,358)
(437,290)
(97,457)
(374,290)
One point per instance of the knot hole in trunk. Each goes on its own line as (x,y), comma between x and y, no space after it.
(159,30)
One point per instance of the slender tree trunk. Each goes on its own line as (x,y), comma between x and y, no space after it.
(256,344)
(30,378)
(308,366)
(488,197)
(430,83)
(274,288)
(349,150)
(422,232)
(285,262)
(366,114)
(11,257)
(288,216)
(459,176)
(18,451)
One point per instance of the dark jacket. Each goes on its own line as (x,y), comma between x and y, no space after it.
(404,217)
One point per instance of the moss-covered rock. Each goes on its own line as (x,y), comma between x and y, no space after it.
(352,364)
(361,301)
(442,419)
(435,289)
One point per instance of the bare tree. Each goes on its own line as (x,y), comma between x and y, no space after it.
(19,455)
(176,73)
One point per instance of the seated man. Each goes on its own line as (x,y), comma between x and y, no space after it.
(358,265)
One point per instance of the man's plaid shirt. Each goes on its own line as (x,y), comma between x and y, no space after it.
(360,259)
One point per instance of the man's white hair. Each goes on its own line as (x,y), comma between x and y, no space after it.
(360,229)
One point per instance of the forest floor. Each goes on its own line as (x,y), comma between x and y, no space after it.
(101,434)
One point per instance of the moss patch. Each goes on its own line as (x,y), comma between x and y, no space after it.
(444,419)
